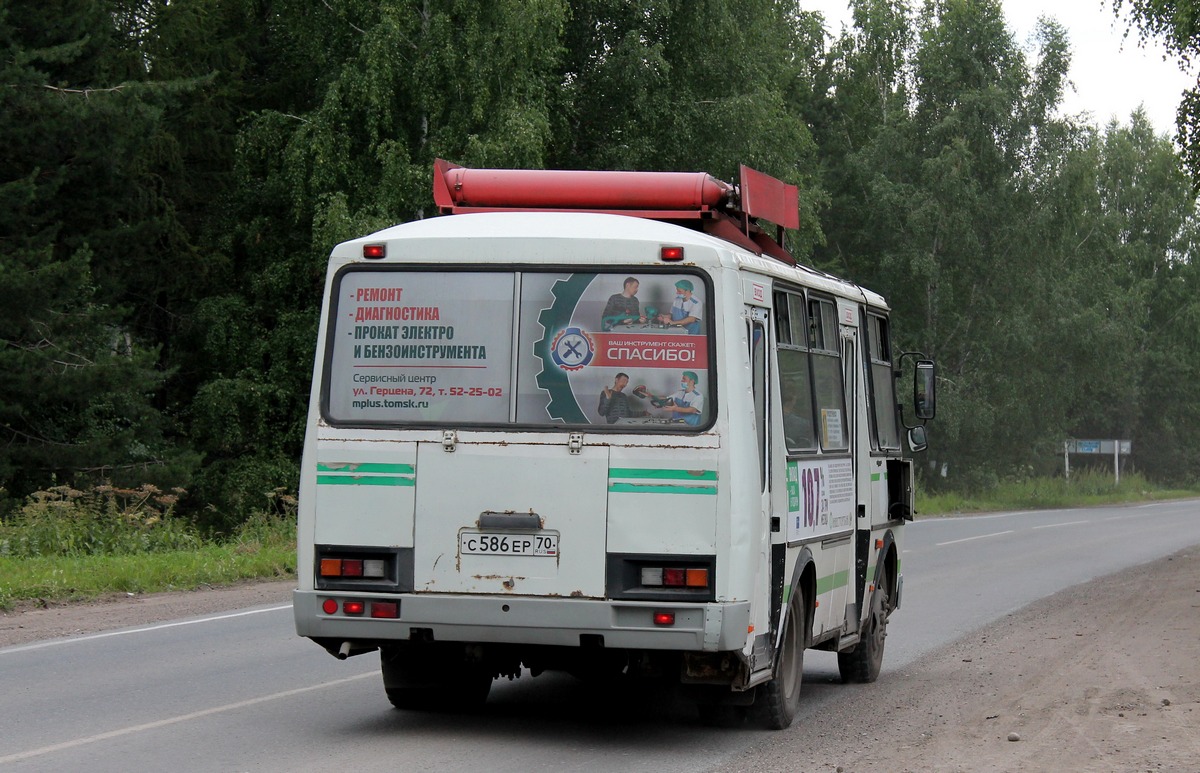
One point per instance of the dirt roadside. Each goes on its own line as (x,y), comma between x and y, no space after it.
(29,622)
(1100,678)
(1107,679)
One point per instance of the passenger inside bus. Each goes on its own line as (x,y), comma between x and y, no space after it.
(797,416)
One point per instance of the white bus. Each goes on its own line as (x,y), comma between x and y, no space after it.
(602,422)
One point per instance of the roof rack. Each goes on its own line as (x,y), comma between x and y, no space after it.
(693,199)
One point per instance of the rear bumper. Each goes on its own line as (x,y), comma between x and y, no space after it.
(703,627)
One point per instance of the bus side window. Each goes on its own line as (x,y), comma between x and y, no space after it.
(883,386)
(795,379)
(783,319)
(827,375)
(758,368)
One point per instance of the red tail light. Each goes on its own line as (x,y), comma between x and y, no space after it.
(385,609)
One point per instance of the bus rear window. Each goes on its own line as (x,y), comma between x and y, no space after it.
(409,347)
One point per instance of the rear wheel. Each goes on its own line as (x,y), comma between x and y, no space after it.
(777,700)
(863,663)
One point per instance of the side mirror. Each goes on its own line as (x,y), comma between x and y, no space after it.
(916,438)
(924,390)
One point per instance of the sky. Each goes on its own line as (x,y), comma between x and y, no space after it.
(1112,75)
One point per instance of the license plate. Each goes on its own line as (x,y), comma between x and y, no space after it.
(500,544)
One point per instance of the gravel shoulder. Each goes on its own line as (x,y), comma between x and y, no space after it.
(1101,677)
(33,623)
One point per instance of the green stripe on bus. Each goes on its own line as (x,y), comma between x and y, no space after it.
(364,480)
(634,472)
(824,585)
(350,467)
(659,488)
(827,584)
(835,580)
(878,476)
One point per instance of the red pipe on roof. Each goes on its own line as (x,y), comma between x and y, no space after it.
(561,189)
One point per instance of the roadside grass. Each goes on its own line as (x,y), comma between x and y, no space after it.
(67,545)
(1084,489)
(57,579)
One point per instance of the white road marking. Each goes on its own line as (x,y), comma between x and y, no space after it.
(1127,516)
(176,720)
(57,642)
(968,539)
(1065,523)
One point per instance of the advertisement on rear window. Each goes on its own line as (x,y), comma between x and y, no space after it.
(421,347)
(616,349)
(606,349)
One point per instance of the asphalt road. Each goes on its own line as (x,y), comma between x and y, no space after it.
(240,691)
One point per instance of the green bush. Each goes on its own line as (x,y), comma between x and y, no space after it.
(64,544)
(274,527)
(104,520)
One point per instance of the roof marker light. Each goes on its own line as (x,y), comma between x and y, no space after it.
(374,251)
(671,253)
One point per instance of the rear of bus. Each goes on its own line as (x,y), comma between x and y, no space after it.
(514,456)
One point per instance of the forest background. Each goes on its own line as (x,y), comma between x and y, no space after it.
(174,174)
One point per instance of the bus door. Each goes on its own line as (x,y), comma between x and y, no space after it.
(758,331)
(860,543)
(827,482)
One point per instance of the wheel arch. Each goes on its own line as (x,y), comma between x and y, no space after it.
(804,578)
(889,568)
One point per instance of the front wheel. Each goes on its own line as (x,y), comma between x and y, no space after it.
(863,663)
(778,700)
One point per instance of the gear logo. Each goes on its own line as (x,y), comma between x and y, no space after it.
(572,349)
